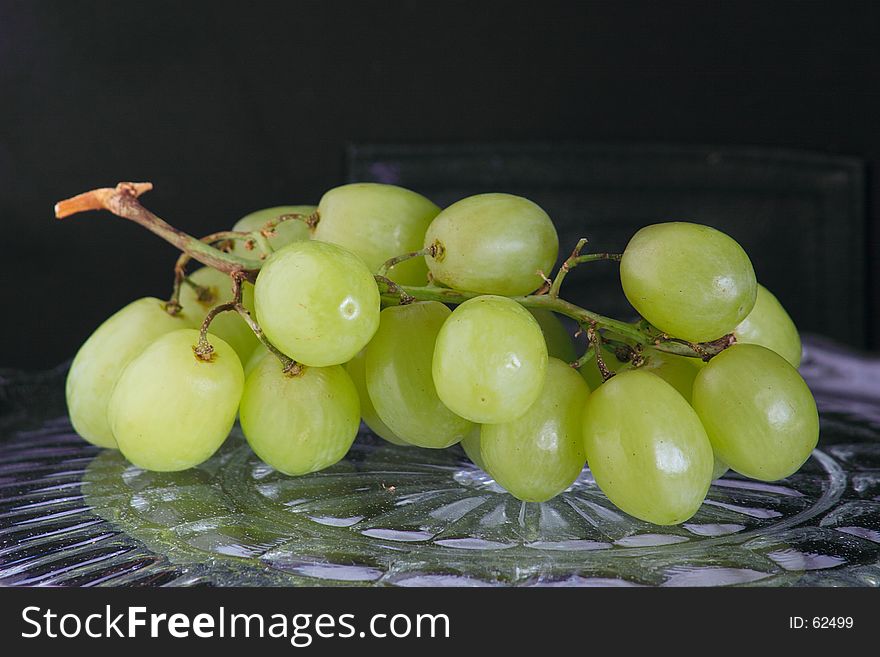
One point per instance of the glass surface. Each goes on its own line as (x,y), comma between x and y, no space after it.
(71,514)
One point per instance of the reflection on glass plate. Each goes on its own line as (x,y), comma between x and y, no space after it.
(74,515)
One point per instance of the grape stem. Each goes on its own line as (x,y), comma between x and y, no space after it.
(573,261)
(584,359)
(595,340)
(391,296)
(396,260)
(123,202)
(310,220)
(220,240)
(205,350)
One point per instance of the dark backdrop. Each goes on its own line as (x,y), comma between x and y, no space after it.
(231,107)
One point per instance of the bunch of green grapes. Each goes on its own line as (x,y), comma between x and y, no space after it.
(439,327)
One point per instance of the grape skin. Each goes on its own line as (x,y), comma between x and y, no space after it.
(688,280)
(719,469)
(258,354)
(317,303)
(540,454)
(471,446)
(357,370)
(378,222)
(492,244)
(489,360)
(770,326)
(303,423)
(646,448)
(758,412)
(399,379)
(170,410)
(677,371)
(101,359)
(559,344)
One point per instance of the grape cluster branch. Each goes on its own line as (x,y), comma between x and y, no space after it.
(123,202)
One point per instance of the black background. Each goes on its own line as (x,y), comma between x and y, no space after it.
(230,107)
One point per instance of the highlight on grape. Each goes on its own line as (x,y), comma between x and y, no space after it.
(442,327)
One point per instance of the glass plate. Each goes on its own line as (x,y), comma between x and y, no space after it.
(71,514)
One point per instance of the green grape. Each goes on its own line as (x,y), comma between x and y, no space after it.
(646,448)
(770,326)
(471,446)
(378,222)
(590,370)
(170,410)
(719,468)
(258,354)
(559,344)
(688,280)
(357,370)
(492,244)
(303,423)
(286,232)
(758,412)
(398,376)
(317,303)
(677,371)
(101,359)
(489,360)
(228,326)
(540,454)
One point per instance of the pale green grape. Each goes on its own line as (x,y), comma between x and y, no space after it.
(758,412)
(559,344)
(646,448)
(378,222)
(228,326)
(317,303)
(540,454)
(688,280)
(170,410)
(489,360)
(399,381)
(677,371)
(101,359)
(492,244)
(286,232)
(770,326)
(357,370)
(259,353)
(299,424)
(471,446)
(719,468)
